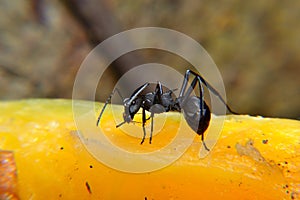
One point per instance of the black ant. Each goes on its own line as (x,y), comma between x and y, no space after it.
(196,111)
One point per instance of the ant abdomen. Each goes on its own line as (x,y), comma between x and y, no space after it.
(199,122)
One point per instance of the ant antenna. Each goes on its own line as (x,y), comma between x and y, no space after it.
(108,100)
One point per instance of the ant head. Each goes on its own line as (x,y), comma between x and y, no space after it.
(131,107)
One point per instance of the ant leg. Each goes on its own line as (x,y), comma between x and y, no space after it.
(201,96)
(201,106)
(202,138)
(108,100)
(185,96)
(184,83)
(210,87)
(118,125)
(215,92)
(152,116)
(136,93)
(158,93)
(144,130)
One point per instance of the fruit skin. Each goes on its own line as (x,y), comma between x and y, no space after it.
(254,158)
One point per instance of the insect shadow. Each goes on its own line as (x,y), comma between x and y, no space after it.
(195,110)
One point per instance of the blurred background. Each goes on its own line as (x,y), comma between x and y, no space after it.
(255,44)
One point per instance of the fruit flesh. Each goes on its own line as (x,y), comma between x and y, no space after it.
(254,157)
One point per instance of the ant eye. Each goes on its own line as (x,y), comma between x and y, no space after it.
(133,102)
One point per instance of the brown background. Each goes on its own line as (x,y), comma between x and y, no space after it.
(255,45)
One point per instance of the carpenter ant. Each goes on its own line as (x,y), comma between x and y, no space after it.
(196,111)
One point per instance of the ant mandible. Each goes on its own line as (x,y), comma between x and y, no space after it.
(195,110)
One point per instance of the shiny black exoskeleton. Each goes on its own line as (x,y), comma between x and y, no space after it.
(196,111)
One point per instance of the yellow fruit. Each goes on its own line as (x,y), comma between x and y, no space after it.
(254,157)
